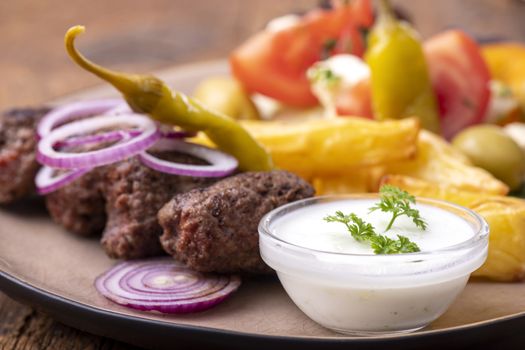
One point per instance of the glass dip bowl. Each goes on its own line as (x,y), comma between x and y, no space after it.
(369,294)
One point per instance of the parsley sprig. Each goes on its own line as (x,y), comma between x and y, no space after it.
(384,245)
(323,74)
(396,201)
(362,231)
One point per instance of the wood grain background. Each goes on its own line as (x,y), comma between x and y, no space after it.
(147,35)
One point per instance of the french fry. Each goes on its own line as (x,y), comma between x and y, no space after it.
(438,162)
(422,188)
(337,154)
(332,147)
(505,216)
(354,181)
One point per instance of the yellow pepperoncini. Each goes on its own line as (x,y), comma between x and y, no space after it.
(148,94)
(400,80)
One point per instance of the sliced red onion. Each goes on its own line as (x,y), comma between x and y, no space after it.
(114,136)
(221,164)
(110,136)
(47,180)
(177,134)
(164,285)
(74,111)
(122,108)
(47,155)
(166,131)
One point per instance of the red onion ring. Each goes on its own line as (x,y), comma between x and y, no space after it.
(114,136)
(127,143)
(122,108)
(46,181)
(47,155)
(177,134)
(164,285)
(73,111)
(110,136)
(166,131)
(222,164)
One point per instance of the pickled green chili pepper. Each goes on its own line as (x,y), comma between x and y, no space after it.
(400,80)
(149,95)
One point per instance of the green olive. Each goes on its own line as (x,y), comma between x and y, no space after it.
(490,148)
(228,96)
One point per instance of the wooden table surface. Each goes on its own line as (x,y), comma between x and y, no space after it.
(142,36)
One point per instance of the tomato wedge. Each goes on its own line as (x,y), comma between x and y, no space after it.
(460,78)
(274,63)
(355,102)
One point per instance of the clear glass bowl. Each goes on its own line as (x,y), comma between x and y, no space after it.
(368,294)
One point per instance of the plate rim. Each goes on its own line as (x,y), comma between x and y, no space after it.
(28,293)
(16,287)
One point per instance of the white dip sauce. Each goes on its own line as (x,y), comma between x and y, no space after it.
(305,227)
(341,284)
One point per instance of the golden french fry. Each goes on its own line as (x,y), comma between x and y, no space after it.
(345,155)
(422,188)
(505,216)
(355,181)
(438,162)
(320,147)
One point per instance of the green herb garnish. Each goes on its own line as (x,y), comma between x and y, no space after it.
(396,201)
(384,245)
(362,231)
(323,74)
(393,200)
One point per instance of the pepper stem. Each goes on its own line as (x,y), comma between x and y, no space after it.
(386,13)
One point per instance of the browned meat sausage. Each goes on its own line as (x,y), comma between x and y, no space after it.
(122,201)
(80,207)
(134,194)
(18,166)
(215,228)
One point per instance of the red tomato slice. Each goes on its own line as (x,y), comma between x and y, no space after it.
(355,102)
(460,78)
(275,63)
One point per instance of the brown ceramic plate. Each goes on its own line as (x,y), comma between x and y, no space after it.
(43,265)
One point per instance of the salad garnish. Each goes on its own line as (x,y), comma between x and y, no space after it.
(323,74)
